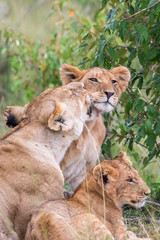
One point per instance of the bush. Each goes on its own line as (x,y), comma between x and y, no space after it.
(129,35)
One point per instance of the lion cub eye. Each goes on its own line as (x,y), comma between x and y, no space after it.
(113,81)
(93,79)
(130,180)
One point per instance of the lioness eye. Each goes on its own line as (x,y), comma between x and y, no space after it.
(93,79)
(113,81)
(130,180)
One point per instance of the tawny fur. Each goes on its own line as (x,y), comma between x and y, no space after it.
(83,153)
(31,153)
(95,210)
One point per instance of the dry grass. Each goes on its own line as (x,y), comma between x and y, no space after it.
(144,222)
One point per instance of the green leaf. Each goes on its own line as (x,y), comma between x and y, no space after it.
(115,24)
(104,2)
(152,53)
(151,18)
(140,105)
(106,146)
(82,46)
(111,26)
(102,44)
(144,32)
(130,145)
(151,110)
(101,58)
(131,56)
(141,134)
(151,2)
(111,14)
(123,29)
(140,83)
(131,9)
(141,57)
(108,143)
(112,53)
(157,128)
(129,105)
(152,153)
(151,141)
(148,91)
(148,126)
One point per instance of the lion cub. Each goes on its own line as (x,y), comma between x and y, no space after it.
(95,210)
(31,153)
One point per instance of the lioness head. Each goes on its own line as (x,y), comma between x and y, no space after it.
(106,85)
(121,182)
(63,108)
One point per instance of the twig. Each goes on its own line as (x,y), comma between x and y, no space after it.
(135,14)
(132,219)
(153,203)
(121,136)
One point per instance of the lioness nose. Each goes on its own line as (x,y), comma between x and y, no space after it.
(109,94)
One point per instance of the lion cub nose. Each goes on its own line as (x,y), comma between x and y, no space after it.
(109,94)
(147,193)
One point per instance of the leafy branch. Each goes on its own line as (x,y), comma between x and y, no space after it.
(135,14)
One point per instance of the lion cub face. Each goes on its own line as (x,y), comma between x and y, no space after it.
(105,85)
(121,182)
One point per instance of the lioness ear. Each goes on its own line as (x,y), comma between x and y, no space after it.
(123,157)
(123,76)
(69,74)
(104,172)
(57,120)
(13,115)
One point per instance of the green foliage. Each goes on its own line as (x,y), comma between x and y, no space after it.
(118,37)
(123,39)
(31,66)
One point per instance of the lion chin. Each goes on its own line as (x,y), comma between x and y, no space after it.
(138,204)
(105,107)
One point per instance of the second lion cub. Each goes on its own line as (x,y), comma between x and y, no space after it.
(94,211)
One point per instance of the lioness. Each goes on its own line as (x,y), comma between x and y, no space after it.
(107,86)
(94,211)
(31,153)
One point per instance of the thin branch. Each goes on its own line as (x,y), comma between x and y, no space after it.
(121,136)
(153,203)
(135,14)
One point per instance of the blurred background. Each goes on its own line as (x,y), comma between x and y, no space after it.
(37,36)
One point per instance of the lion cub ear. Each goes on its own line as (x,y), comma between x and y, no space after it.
(69,74)
(123,76)
(57,120)
(105,173)
(123,157)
